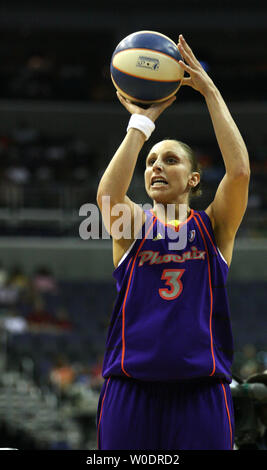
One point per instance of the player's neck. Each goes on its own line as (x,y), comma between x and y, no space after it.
(171,212)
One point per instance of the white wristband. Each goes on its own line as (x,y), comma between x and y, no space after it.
(142,123)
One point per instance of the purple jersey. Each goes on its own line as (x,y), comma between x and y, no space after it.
(171,319)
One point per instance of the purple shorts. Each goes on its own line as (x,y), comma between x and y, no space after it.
(137,415)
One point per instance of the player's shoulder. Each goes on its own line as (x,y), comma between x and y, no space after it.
(204,219)
(205,215)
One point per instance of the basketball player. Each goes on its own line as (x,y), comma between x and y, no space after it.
(169,349)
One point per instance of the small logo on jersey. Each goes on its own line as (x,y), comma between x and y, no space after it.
(192,235)
(157,237)
(147,62)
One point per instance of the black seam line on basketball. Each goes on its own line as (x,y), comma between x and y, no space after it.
(158,34)
(145,101)
(146,78)
(146,49)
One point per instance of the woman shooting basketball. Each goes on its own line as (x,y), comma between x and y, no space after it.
(169,348)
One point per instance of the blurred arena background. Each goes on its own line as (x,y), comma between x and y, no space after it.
(60,125)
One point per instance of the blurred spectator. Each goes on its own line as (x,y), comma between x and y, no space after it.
(83,375)
(18,278)
(13,322)
(39,319)
(43,280)
(18,174)
(9,295)
(62,374)
(62,321)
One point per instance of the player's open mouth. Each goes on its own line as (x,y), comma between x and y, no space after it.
(158,182)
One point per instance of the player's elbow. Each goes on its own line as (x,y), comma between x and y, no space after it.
(244,170)
(242,173)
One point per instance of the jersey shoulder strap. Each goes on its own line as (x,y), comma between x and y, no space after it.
(204,224)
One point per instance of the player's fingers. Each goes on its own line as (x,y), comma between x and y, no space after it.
(187,81)
(186,51)
(186,56)
(168,102)
(185,45)
(186,67)
(164,104)
(126,103)
(120,97)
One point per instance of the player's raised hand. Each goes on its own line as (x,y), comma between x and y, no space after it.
(198,78)
(153,112)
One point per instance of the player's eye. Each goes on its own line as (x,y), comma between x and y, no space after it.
(172,160)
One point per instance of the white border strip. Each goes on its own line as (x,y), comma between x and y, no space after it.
(222,256)
(126,253)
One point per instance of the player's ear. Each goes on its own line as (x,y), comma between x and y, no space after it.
(194,179)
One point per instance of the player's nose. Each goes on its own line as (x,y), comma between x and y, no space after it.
(157,165)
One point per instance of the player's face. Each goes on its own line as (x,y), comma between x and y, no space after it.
(167,173)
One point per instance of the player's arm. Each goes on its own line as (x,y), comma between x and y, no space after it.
(228,207)
(230,202)
(117,177)
(112,193)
